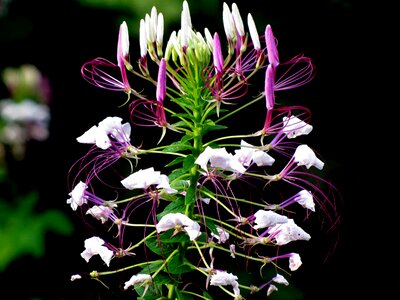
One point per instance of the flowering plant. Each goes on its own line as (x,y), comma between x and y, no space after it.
(24,119)
(190,230)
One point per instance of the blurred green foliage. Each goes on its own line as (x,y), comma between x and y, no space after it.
(134,10)
(23,231)
(24,117)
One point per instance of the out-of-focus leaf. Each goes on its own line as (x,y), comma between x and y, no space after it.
(23,231)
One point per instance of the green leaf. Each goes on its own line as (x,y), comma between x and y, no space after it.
(168,238)
(23,231)
(162,278)
(153,292)
(177,266)
(182,295)
(180,185)
(177,147)
(207,295)
(152,267)
(211,225)
(161,249)
(176,161)
(190,196)
(176,173)
(188,163)
(176,206)
(210,126)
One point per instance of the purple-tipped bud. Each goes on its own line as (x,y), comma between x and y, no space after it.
(161,82)
(217,54)
(273,56)
(269,87)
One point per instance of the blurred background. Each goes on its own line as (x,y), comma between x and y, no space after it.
(41,238)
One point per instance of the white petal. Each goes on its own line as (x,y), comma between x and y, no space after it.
(287,232)
(295,262)
(280,279)
(142,179)
(295,127)
(305,199)
(135,279)
(268,218)
(305,156)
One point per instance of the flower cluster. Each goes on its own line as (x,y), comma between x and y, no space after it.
(25,115)
(210,210)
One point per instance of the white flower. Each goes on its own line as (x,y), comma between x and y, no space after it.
(135,279)
(268,218)
(280,279)
(109,127)
(25,111)
(219,158)
(222,235)
(75,277)
(248,153)
(94,246)
(305,199)
(295,127)
(224,278)
(142,179)
(164,184)
(305,156)
(294,262)
(100,212)
(77,195)
(179,222)
(271,288)
(232,249)
(287,232)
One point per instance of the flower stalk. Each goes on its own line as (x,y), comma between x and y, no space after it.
(210,196)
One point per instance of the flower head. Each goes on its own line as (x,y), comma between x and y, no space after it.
(288,232)
(219,158)
(95,246)
(78,197)
(268,218)
(136,279)
(305,156)
(111,128)
(143,179)
(179,222)
(222,278)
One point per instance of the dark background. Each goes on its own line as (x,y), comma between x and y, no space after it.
(59,36)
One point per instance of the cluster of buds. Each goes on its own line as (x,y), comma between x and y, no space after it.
(209,211)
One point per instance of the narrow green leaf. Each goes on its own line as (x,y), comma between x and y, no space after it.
(176,161)
(190,196)
(188,162)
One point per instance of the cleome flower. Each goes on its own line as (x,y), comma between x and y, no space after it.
(95,246)
(143,179)
(179,222)
(183,204)
(222,278)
